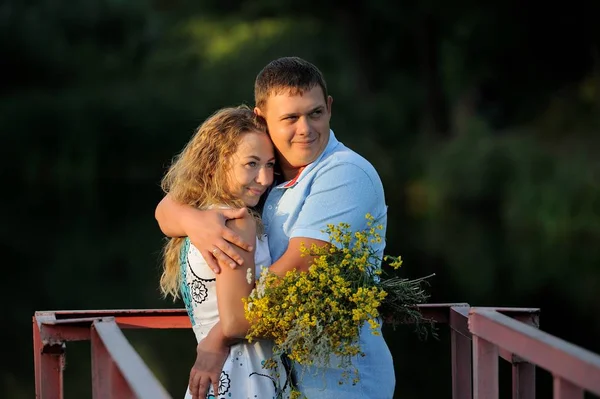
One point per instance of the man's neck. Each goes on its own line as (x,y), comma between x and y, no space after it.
(290,172)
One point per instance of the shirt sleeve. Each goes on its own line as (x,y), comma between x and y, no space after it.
(343,193)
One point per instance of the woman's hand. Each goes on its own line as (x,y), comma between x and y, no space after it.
(206,371)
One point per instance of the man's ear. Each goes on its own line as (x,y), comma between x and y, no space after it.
(329,102)
(258,112)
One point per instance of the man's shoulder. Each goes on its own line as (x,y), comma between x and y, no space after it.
(344,157)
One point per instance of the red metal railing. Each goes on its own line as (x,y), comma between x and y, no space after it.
(117,369)
(574,369)
(479,336)
(457,316)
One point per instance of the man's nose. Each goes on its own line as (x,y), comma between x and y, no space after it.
(303,126)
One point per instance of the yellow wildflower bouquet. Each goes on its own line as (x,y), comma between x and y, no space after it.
(316,316)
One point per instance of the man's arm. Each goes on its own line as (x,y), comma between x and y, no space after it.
(344,193)
(206,230)
(292,259)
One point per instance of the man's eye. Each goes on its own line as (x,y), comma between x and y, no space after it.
(317,112)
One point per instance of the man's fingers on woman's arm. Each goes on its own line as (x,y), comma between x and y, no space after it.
(237,213)
(227,254)
(211,261)
(232,237)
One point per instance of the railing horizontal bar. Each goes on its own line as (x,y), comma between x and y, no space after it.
(154,321)
(438,312)
(460,314)
(563,359)
(132,367)
(509,310)
(442,305)
(157,322)
(432,308)
(152,318)
(459,317)
(66,314)
(142,318)
(52,334)
(530,316)
(458,320)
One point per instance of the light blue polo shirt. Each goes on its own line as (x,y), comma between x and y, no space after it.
(340,186)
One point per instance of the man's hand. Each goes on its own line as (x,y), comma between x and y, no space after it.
(215,241)
(206,230)
(207,368)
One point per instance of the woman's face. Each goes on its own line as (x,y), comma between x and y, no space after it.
(251,170)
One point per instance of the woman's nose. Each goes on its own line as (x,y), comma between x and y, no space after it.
(264,176)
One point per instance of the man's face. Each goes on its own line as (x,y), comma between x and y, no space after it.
(298,125)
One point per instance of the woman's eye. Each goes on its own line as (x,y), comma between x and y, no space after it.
(251,164)
(270,165)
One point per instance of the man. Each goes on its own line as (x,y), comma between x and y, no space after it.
(322,182)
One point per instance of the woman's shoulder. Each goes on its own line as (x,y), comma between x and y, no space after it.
(245,227)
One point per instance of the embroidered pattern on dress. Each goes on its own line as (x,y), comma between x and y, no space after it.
(224,385)
(186,296)
(199,292)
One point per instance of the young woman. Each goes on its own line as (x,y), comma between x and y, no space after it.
(228,163)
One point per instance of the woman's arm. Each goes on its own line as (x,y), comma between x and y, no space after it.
(232,286)
(235,284)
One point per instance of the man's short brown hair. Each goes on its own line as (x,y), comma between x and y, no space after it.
(288,74)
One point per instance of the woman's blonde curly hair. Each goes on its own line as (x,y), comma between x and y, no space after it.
(198,176)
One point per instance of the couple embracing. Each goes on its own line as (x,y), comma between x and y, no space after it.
(246,192)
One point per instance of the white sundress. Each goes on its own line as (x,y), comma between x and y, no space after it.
(243,376)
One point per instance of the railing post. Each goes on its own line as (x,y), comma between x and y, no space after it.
(460,353)
(523,380)
(485,369)
(49,364)
(461,366)
(523,373)
(118,371)
(107,380)
(563,389)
